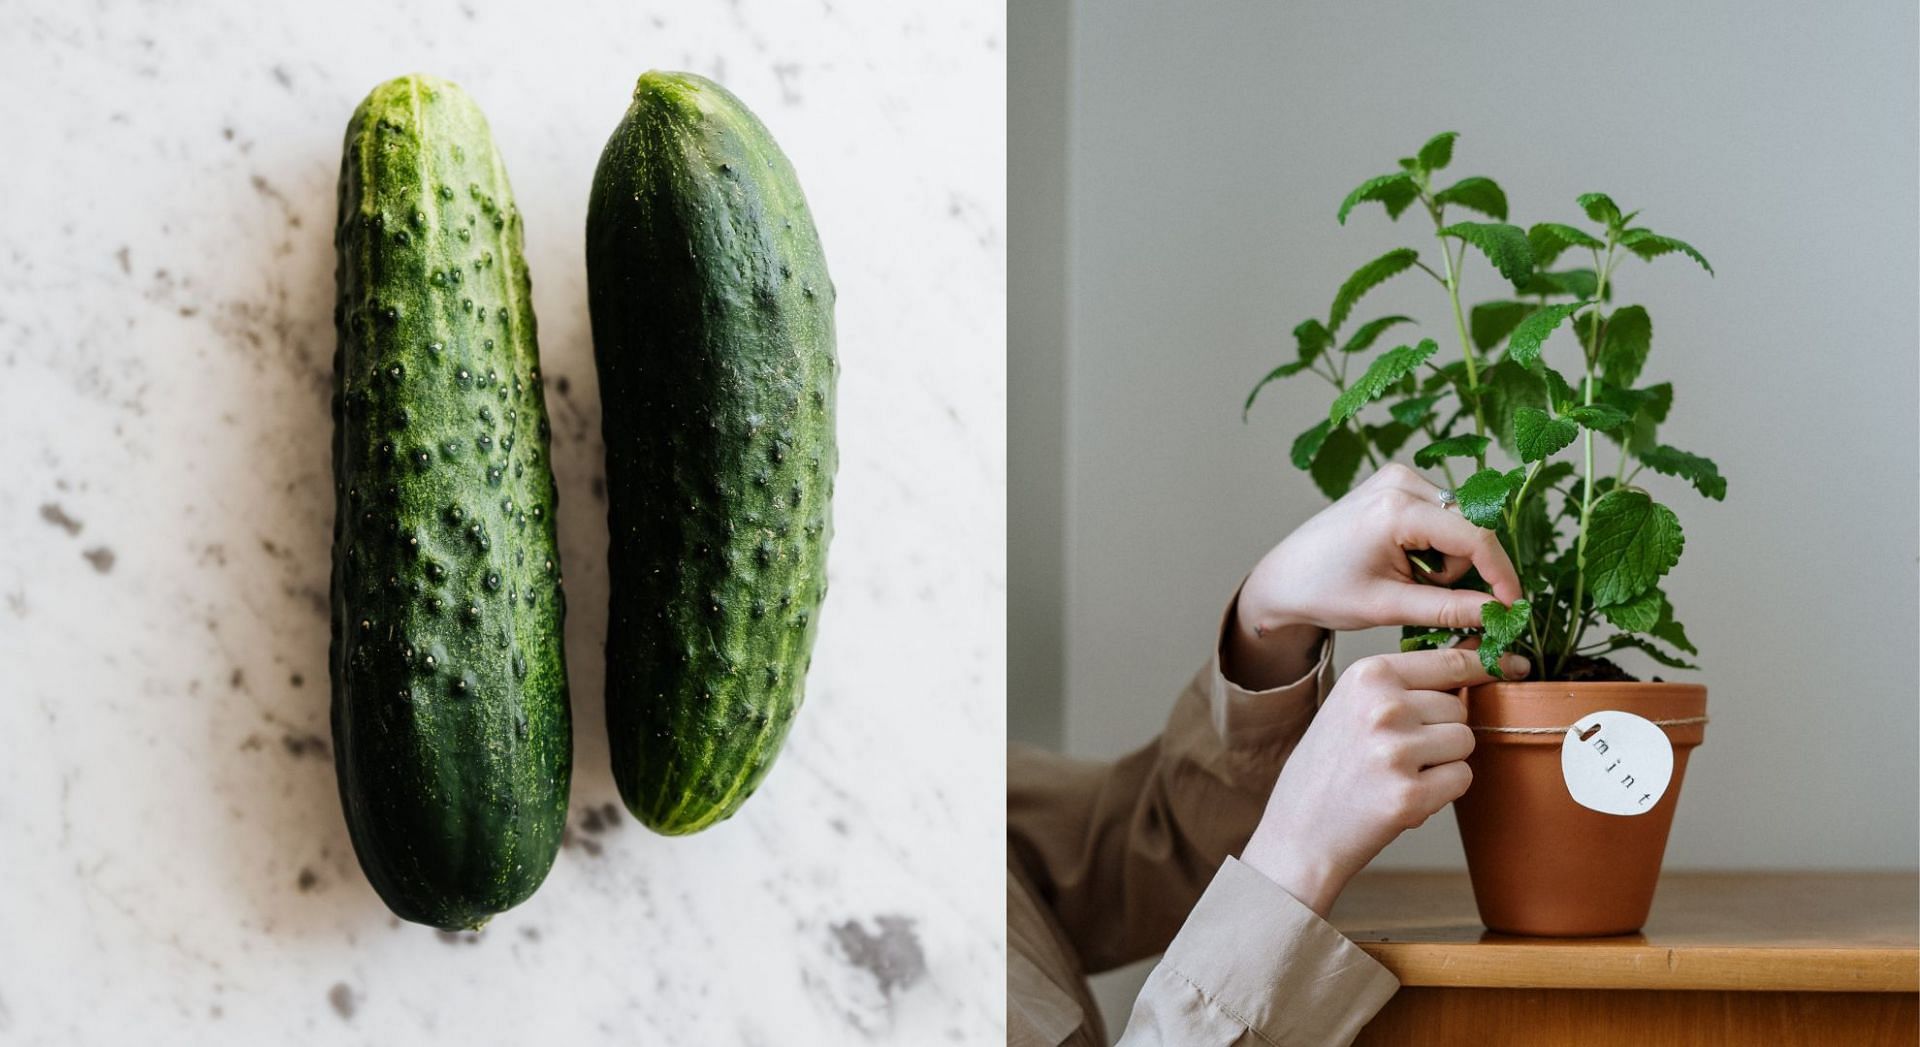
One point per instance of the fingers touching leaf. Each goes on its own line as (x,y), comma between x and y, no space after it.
(1483,497)
(1501,626)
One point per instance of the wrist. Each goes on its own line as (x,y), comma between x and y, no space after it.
(1261,657)
(1314,882)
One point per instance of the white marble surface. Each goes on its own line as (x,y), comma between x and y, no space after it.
(176,868)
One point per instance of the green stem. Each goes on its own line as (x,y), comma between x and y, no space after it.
(1433,436)
(1340,384)
(1460,327)
(1513,530)
(1577,615)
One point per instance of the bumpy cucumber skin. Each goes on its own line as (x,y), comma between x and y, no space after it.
(713,335)
(451,729)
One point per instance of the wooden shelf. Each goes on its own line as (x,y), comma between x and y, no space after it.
(1757,932)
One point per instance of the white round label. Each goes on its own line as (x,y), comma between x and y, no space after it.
(1616,763)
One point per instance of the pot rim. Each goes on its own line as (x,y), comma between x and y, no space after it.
(1587,688)
(1546,703)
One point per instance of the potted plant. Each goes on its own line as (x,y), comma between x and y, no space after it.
(1576,427)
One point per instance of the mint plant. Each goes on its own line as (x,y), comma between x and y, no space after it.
(1589,545)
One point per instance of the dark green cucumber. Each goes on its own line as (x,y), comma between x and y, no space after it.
(451,729)
(713,334)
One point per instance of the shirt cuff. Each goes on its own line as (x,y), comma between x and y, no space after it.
(1247,719)
(1255,955)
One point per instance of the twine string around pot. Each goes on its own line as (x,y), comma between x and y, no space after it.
(1684,721)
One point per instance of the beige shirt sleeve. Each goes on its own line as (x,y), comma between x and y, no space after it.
(1120,853)
(1252,965)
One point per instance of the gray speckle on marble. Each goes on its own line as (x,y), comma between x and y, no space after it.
(341,997)
(53,514)
(891,953)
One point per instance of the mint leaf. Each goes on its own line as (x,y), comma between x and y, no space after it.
(1307,444)
(1650,245)
(1438,152)
(1337,462)
(1476,194)
(1536,435)
(1580,283)
(1387,368)
(1492,321)
(1388,438)
(1648,406)
(1601,208)
(1504,389)
(1638,614)
(1365,279)
(1313,338)
(1282,371)
(1550,239)
(1422,641)
(1393,191)
(1598,417)
(1464,446)
(1414,410)
(1631,541)
(1370,332)
(1650,651)
(1500,626)
(1628,337)
(1504,245)
(1524,346)
(1559,393)
(1483,497)
(1701,472)
(1672,632)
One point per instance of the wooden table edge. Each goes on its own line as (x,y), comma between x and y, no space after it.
(1577,965)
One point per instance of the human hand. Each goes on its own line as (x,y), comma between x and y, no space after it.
(1383,754)
(1347,568)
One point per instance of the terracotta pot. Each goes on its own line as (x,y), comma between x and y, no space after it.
(1542,864)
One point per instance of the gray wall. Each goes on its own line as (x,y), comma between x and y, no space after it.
(1210,145)
(1038,43)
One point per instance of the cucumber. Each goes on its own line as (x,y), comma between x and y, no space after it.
(712,319)
(451,729)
